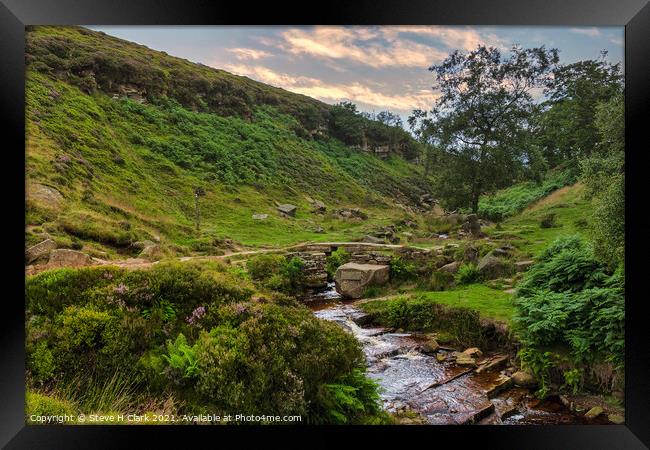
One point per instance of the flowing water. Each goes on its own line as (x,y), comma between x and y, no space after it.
(440,392)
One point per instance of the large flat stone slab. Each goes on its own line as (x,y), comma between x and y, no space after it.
(352,278)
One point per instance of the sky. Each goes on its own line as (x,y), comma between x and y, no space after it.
(376,67)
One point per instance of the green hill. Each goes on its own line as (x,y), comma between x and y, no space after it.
(119,136)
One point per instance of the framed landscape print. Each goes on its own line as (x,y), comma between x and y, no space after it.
(401,218)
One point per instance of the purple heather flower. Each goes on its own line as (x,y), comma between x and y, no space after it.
(121,289)
(196,315)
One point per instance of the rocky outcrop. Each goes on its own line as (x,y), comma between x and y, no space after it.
(44,195)
(287,210)
(64,257)
(39,251)
(352,278)
(351,213)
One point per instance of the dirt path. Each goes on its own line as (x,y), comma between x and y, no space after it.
(141,263)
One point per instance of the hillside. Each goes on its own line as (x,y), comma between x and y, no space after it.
(119,137)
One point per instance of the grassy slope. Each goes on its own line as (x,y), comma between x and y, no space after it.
(127,171)
(572,212)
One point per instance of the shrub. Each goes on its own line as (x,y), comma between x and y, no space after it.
(276,272)
(51,291)
(438,281)
(336,260)
(401,270)
(467,274)
(264,358)
(181,359)
(569,299)
(352,399)
(86,339)
(421,314)
(43,405)
(548,221)
(41,363)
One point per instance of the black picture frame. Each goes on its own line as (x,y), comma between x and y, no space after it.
(633,14)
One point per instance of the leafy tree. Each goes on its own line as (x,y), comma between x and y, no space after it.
(481,121)
(567,128)
(389,118)
(346,123)
(603,172)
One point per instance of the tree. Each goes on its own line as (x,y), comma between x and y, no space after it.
(603,173)
(346,123)
(567,127)
(389,118)
(481,121)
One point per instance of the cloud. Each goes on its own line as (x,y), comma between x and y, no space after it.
(452,37)
(367,46)
(248,53)
(586,31)
(386,46)
(617,41)
(335,92)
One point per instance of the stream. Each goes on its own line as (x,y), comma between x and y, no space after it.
(440,392)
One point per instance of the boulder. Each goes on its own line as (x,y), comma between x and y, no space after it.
(594,412)
(463,359)
(40,250)
(452,267)
(352,278)
(64,257)
(522,266)
(491,267)
(524,379)
(473,352)
(616,419)
(372,240)
(45,195)
(319,229)
(453,219)
(430,347)
(141,245)
(152,252)
(501,383)
(287,209)
(260,216)
(318,207)
(472,225)
(494,364)
(351,213)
